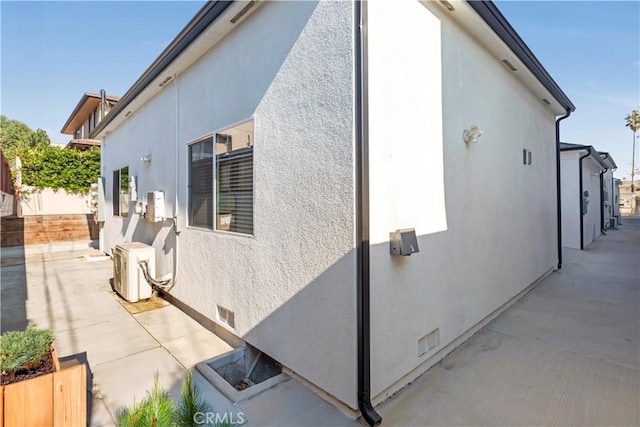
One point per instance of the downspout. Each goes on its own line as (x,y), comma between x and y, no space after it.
(612,199)
(602,202)
(558,188)
(363,281)
(580,200)
(103,103)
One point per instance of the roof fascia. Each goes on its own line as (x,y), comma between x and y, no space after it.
(205,16)
(76,110)
(489,12)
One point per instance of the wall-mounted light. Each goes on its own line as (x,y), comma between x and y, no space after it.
(472,134)
(146,159)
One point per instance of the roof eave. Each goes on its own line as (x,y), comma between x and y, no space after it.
(592,153)
(79,106)
(205,16)
(489,12)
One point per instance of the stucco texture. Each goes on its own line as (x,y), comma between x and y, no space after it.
(486,223)
(291,286)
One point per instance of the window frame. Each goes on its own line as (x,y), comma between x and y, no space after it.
(214,171)
(189,144)
(116,203)
(223,131)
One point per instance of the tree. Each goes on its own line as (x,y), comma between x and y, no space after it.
(15,137)
(633,123)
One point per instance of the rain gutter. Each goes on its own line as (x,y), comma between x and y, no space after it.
(363,279)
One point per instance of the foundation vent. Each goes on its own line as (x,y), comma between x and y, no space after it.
(226,317)
(428,342)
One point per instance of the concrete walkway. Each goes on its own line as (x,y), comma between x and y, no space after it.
(568,353)
(65,287)
(565,354)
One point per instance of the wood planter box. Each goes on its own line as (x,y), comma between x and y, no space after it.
(55,399)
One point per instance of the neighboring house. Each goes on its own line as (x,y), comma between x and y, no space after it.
(628,198)
(89,111)
(582,194)
(609,193)
(292,145)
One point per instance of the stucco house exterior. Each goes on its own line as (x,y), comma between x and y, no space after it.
(584,194)
(291,140)
(84,118)
(610,196)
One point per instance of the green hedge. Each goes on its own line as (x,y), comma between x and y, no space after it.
(60,168)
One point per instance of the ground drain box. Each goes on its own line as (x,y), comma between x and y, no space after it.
(242,373)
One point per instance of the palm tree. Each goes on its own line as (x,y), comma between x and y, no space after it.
(633,123)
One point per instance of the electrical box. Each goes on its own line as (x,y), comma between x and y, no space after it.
(98,204)
(403,242)
(155,206)
(133,188)
(585,202)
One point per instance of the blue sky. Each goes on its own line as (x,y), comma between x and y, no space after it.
(53,52)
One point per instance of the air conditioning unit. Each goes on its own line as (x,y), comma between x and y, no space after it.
(128,279)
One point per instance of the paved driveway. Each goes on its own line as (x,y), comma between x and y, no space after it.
(567,353)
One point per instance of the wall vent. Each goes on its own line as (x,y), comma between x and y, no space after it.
(448,5)
(509,65)
(428,342)
(546,101)
(226,317)
(243,11)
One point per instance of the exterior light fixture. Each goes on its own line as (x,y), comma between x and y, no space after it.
(146,159)
(472,134)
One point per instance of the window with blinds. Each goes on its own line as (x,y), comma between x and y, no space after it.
(201,183)
(234,179)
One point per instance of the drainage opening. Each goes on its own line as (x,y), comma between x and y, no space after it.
(242,372)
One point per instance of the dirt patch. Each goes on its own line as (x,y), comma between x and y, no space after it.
(41,367)
(153,303)
(241,385)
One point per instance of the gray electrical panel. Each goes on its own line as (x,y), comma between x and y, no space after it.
(101,208)
(403,242)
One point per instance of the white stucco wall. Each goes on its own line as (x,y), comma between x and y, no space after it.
(571,208)
(292,284)
(609,199)
(591,183)
(570,195)
(55,202)
(486,223)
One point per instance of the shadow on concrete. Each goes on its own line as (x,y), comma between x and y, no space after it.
(13,289)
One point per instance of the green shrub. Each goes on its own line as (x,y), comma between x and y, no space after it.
(21,348)
(60,168)
(159,410)
(156,410)
(191,404)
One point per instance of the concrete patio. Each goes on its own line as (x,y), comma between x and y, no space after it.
(565,354)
